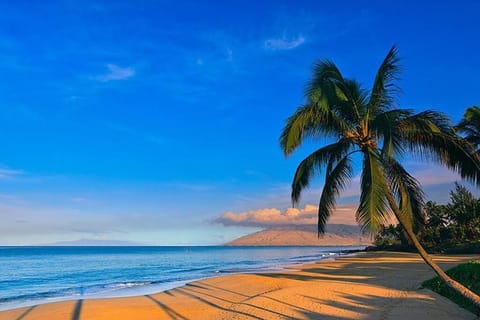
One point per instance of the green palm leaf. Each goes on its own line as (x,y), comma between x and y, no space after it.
(335,181)
(325,76)
(310,121)
(353,108)
(386,125)
(384,87)
(407,190)
(470,126)
(312,165)
(430,136)
(372,212)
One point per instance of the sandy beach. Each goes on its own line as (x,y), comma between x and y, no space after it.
(362,286)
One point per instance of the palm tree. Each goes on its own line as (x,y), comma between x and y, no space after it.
(364,124)
(470,126)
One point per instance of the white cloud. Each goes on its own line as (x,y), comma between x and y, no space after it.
(283,43)
(273,217)
(116,73)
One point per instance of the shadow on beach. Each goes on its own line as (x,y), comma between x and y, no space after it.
(366,286)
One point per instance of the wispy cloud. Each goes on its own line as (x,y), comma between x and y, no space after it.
(9,173)
(116,73)
(27,219)
(273,217)
(283,43)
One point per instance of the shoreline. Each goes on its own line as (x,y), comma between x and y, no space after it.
(367,285)
(158,287)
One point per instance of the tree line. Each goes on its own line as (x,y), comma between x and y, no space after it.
(450,228)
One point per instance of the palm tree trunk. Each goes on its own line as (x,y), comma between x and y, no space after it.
(455,285)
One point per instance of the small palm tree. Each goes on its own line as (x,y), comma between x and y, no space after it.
(364,123)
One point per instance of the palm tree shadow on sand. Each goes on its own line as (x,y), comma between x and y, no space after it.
(77,310)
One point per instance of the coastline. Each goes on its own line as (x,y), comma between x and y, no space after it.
(259,259)
(367,285)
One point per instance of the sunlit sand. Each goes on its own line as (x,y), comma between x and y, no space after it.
(364,286)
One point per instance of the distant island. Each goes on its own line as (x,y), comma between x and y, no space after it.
(94,242)
(335,235)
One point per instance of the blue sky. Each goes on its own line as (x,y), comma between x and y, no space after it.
(148,120)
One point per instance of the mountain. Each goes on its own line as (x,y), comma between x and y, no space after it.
(95,242)
(335,235)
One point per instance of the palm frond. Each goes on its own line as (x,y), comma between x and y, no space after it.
(426,121)
(408,192)
(470,125)
(451,151)
(384,88)
(310,121)
(385,125)
(335,181)
(328,86)
(372,212)
(430,136)
(325,74)
(353,105)
(313,164)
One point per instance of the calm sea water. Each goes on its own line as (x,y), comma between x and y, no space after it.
(32,275)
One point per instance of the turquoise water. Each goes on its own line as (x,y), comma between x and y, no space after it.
(33,275)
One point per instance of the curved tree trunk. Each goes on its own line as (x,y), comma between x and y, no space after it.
(455,285)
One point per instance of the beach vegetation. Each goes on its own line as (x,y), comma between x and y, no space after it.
(353,124)
(449,228)
(467,274)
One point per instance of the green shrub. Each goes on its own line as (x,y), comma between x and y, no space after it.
(467,274)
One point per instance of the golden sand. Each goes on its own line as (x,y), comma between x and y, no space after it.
(365,286)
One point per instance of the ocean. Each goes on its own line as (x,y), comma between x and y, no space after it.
(35,275)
